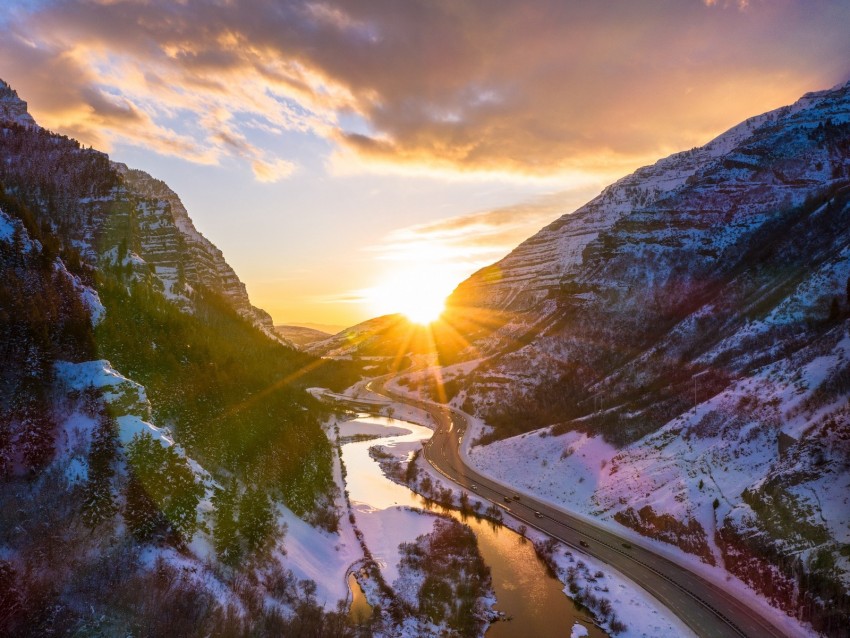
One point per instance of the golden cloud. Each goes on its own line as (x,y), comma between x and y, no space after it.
(528,88)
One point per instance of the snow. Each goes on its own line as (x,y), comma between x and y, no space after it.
(319,556)
(643,615)
(380,506)
(92,301)
(7,228)
(567,469)
(566,482)
(352,428)
(386,529)
(578,631)
(76,472)
(129,425)
(662,470)
(122,393)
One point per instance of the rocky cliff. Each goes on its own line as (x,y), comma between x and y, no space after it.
(13,108)
(140,217)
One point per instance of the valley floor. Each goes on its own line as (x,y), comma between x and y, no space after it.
(580,575)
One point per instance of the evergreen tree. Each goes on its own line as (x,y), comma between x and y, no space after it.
(256,521)
(226,532)
(36,426)
(180,506)
(98,500)
(141,513)
(161,478)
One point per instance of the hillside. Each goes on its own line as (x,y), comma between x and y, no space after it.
(687,330)
(301,336)
(152,428)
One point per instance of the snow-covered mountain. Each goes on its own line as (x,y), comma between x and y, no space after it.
(526,277)
(152,426)
(681,341)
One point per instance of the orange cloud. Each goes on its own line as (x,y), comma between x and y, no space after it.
(477,239)
(529,88)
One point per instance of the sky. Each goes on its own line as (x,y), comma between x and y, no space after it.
(347,155)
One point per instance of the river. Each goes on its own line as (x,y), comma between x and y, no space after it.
(524,589)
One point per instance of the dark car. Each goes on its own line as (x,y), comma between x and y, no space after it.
(507,499)
(583,543)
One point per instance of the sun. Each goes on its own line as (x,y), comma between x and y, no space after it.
(420,295)
(422,309)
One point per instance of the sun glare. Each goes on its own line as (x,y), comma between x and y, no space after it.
(419,296)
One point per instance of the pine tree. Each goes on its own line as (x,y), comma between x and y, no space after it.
(98,500)
(141,512)
(37,429)
(256,521)
(226,532)
(163,480)
(180,506)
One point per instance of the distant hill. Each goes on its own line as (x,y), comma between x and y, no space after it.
(301,336)
(327,328)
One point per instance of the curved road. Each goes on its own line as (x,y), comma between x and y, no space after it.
(706,608)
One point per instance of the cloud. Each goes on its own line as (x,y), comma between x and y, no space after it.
(465,243)
(273,170)
(494,86)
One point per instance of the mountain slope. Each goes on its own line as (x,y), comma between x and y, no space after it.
(151,427)
(177,317)
(690,324)
(181,255)
(301,336)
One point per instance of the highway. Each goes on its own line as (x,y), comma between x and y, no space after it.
(706,608)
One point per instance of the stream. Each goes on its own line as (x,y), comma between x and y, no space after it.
(525,591)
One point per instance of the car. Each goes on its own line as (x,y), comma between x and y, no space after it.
(627,545)
(473,487)
(507,499)
(515,497)
(538,514)
(583,543)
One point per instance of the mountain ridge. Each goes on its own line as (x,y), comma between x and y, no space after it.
(154,434)
(682,351)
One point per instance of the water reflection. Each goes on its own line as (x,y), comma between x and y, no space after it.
(360,610)
(525,591)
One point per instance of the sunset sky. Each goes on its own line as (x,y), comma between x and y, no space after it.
(339,151)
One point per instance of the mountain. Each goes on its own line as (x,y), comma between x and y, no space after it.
(301,336)
(153,429)
(687,331)
(374,337)
(179,254)
(390,343)
(327,328)
(13,108)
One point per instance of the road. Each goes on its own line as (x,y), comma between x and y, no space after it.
(706,608)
